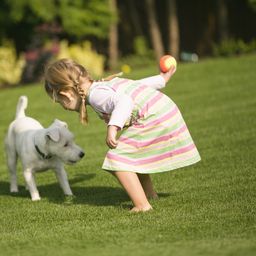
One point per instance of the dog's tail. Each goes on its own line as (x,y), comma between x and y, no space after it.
(21,106)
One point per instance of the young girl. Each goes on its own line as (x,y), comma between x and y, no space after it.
(154,136)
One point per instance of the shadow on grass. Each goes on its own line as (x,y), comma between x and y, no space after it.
(94,195)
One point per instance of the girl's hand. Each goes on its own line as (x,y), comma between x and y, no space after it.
(168,74)
(111,136)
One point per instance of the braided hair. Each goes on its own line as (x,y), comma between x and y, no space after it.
(67,75)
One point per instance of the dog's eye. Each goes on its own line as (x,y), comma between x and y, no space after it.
(66,144)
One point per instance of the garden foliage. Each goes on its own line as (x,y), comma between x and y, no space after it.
(11,65)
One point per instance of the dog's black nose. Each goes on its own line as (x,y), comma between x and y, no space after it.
(81,154)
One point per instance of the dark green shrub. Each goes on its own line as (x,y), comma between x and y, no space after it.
(233,47)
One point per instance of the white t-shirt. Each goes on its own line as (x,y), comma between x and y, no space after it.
(103,99)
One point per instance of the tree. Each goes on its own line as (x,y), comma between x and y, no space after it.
(135,20)
(252,3)
(113,36)
(222,20)
(77,18)
(174,37)
(154,30)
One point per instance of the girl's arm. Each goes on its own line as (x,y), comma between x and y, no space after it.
(117,106)
(158,81)
(122,110)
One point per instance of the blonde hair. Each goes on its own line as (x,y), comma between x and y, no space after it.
(67,75)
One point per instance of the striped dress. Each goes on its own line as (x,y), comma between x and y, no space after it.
(156,138)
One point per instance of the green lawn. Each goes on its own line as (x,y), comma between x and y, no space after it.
(205,209)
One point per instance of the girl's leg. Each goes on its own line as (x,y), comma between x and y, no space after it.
(132,185)
(147,185)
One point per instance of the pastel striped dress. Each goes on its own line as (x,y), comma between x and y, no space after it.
(156,138)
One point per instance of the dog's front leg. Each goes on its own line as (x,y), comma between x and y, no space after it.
(31,184)
(63,180)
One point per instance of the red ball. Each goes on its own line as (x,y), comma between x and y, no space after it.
(166,63)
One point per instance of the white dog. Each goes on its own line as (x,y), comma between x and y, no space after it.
(39,150)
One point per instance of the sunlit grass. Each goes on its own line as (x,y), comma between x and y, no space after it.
(205,209)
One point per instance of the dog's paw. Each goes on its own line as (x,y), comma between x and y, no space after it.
(35,197)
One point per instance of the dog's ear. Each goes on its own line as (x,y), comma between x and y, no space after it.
(53,134)
(60,123)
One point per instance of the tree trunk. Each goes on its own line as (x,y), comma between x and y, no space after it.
(154,30)
(206,42)
(135,18)
(113,37)
(222,19)
(174,37)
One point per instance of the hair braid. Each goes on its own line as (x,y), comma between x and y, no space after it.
(83,110)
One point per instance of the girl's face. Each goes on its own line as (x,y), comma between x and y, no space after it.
(69,100)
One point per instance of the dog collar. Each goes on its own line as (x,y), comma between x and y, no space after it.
(42,154)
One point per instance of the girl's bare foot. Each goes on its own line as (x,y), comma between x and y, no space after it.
(134,189)
(141,209)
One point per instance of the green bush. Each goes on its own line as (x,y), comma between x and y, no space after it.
(142,55)
(11,66)
(233,47)
(140,46)
(140,58)
(84,55)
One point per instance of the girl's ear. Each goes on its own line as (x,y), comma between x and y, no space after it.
(66,94)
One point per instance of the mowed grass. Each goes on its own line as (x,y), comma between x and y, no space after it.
(204,209)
